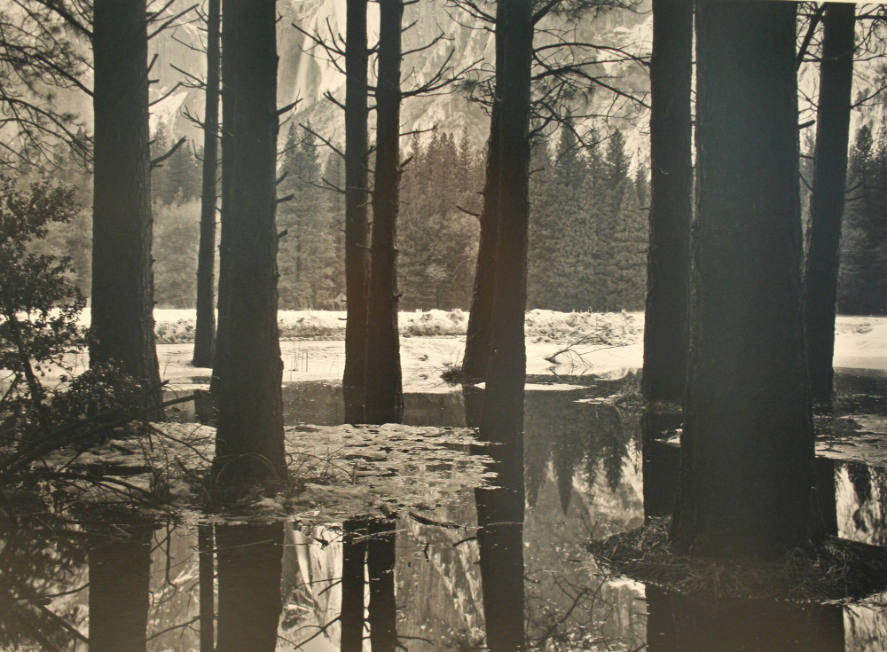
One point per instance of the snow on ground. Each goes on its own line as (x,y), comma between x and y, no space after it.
(574,343)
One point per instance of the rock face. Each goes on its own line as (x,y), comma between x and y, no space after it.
(306,73)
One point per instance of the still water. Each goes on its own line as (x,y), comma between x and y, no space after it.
(502,568)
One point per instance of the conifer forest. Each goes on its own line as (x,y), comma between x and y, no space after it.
(443,325)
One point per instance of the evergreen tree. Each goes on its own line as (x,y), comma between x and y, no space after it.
(159,146)
(297,220)
(862,276)
(541,277)
(334,224)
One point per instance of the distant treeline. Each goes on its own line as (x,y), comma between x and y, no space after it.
(587,240)
(588,226)
(862,279)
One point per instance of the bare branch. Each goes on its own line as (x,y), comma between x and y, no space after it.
(170,21)
(325,141)
(166,94)
(811,28)
(157,162)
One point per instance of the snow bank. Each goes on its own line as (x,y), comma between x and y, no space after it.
(544,325)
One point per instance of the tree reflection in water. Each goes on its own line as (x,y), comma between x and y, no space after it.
(526,579)
(354,548)
(119,578)
(683,624)
(249,568)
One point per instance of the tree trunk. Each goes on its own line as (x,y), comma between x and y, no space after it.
(384,394)
(666,332)
(747,446)
(827,201)
(249,567)
(504,397)
(357,255)
(248,371)
(122,300)
(205,328)
(119,573)
(477,339)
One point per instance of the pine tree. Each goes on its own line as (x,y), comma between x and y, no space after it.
(121,301)
(747,446)
(247,368)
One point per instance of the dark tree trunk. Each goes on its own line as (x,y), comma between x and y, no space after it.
(205,328)
(357,255)
(666,333)
(119,572)
(122,298)
(206,572)
(827,201)
(501,512)
(384,394)
(247,370)
(504,396)
(380,570)
(477,339)
(249,563)
(354,550)
(747,445)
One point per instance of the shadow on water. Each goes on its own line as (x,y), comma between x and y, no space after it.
(504,568)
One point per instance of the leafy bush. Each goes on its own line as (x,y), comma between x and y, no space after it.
(39,305)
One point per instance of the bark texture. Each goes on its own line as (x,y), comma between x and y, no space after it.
(357,255)
(205,327)
(504,398)
(666,331)
(122,299)
(747,445)
(247,371)
(827,201)
(384,393)
(477,339)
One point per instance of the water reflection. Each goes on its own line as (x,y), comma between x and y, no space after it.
(500,534)
(354,550)
(249,563)
(506,568)
(380,569)
(682,624)
(119,567)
